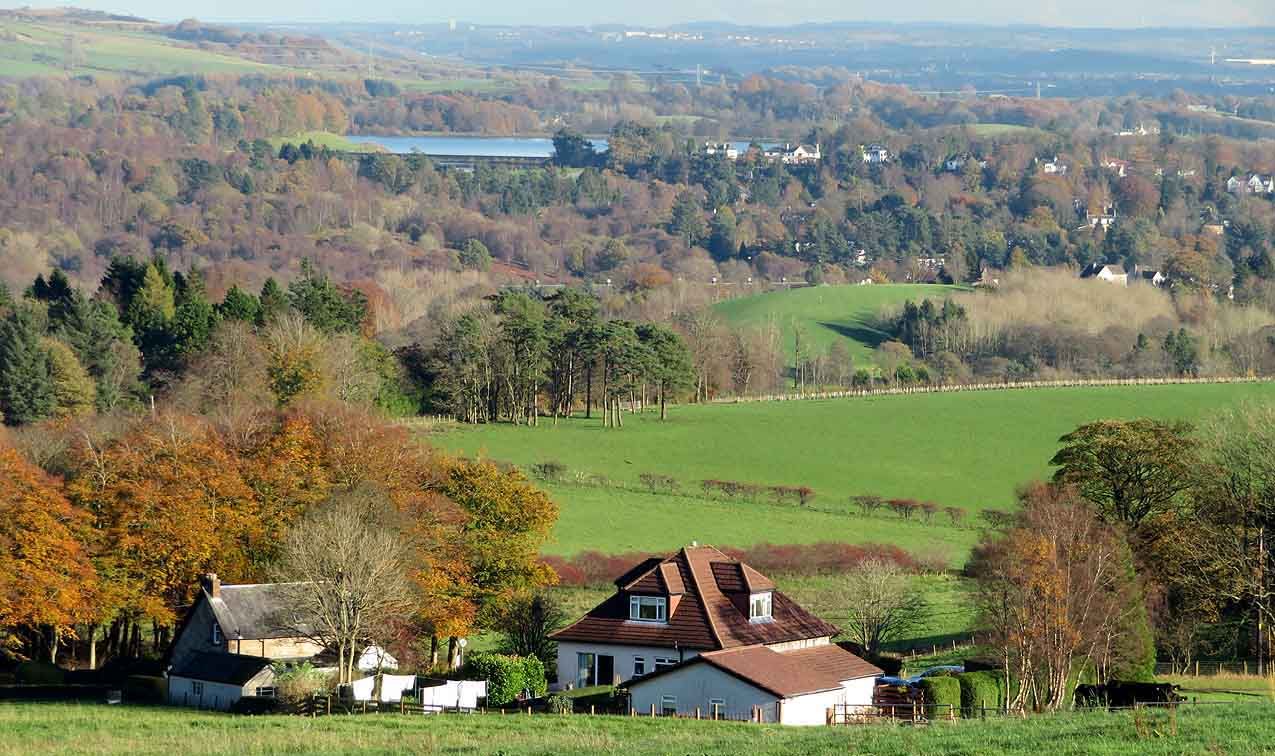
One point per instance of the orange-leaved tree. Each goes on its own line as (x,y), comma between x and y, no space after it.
(47,582)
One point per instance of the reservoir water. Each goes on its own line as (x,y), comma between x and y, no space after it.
(480,146)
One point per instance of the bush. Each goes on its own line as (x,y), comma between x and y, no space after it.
(942,695)
(560,704)
(298,683)
(148,688)
(508,676)
(550,470)
(659,483)
(979,690)
(39,673)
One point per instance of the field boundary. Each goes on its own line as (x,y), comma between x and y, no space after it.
(1005,386)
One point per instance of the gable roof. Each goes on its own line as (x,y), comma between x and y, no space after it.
(232,669)
(784,674)
(711,610)
(256,611)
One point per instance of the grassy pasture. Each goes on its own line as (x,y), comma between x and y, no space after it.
(964,449)
(827,313)
(96,729)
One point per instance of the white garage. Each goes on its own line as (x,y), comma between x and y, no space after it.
(795,687)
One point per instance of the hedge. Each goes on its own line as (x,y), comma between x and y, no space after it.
(979,690)
(39,673)
(942,696)
(508,676)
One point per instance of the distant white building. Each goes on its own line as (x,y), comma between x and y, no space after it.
(1254,185)
(1109,273)
(798,154)
(725,149)
(1053,167)
(875,154)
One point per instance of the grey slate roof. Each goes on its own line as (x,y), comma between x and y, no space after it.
(255,612)
(232,669)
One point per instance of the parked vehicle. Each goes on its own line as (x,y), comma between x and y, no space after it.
(947,669)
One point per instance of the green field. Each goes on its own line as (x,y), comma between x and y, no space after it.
(94,729)
(969,449)
(827,313)
(1224,687)
(334,142)
(39,49)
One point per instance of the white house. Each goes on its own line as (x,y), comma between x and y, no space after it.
(874,154)
(792,687)
(1052,167)
(1109,273)
(667,612)
(725,149)
(1117,166)
(1255,184)
(374,659)
(217,680)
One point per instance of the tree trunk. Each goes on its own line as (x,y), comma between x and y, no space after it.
(588,391)
(53,644)
(663,405)
(452,648)
(92,641)
(433,651)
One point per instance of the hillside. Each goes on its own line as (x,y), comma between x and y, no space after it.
(826,314)
(968,449)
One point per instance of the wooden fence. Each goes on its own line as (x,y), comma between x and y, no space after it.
(958,387)
(1211,668)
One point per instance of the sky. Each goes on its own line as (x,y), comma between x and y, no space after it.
(1089,13)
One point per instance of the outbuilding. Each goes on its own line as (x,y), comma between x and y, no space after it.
(208,680)
(792,687)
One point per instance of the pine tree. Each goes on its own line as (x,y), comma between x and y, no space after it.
(239,305)
(273,303)
(26,389)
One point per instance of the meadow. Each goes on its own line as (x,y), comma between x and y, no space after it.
(97,729)
(826,314)
(968,449)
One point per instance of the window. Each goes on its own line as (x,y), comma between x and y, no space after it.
(662,663)
(196,688)
(759,606)
(668,706)
(266,691)
(584,670)
(639,666)
(648,608)
(716,708)
(216,633)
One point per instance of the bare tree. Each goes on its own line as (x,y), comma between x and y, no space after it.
(346,566)
(884,604)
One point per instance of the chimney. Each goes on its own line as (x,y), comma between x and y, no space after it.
(212,584)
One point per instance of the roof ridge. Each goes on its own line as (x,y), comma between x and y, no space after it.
(699,592)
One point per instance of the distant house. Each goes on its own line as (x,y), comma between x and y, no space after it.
(1103,220)
(799,154)
(875,154)
(247,628)
(700,631)
(1052,167)
(1255,184)
(957,163)
(1153,277)
(1117,166)
(374,659)
(1103,272)
(725,149)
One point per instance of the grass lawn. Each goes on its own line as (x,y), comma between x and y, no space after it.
(963,449)
(95,729)
(827,313)
(325,139)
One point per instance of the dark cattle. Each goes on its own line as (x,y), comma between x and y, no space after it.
(1122,694)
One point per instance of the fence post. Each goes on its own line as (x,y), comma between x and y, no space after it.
(652,709)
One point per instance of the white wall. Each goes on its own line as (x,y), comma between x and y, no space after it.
(219,696)
(812,709)
(695,685)
(624,656)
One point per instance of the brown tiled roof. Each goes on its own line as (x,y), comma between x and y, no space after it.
(784,674)
(712,612)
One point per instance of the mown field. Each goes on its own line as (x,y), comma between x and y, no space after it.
(967,449)
(827,313)
(94,729)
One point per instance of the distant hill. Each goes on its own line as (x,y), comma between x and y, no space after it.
(828,313)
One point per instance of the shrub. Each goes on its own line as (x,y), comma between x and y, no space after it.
(868,503)
(903,507)
(955,513)
(39,673)
(560,704)
(979,690)
(550,471)
(659,483)
(508,676)
(294,684)
(941,692)
(148,688)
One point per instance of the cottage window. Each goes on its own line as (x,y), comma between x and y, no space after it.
(266,691)
(668,706)
(639,666)
(196,688)
(759,606)
(216,634)
(716,708)
(648,608)
(663,663)
(585,671)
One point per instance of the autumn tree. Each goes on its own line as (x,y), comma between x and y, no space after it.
(47,582)
(1131,469)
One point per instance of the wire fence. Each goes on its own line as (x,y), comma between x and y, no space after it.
(1214,668)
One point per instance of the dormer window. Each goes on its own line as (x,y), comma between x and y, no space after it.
(648,608)
(759,606)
